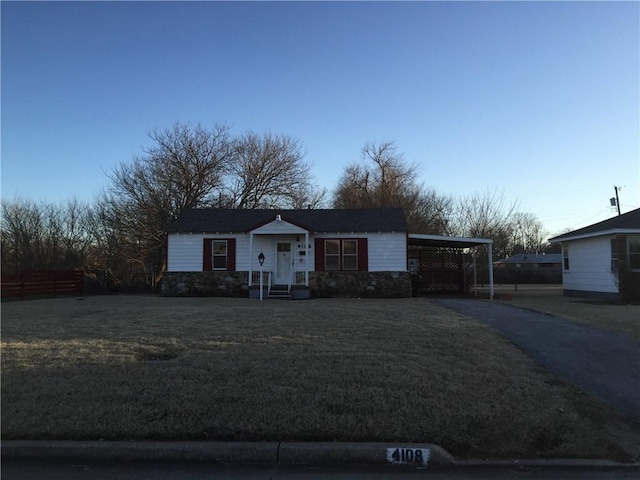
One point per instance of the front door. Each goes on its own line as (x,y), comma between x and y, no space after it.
(283,264)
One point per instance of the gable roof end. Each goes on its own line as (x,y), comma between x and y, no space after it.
(627,223)
(279,218)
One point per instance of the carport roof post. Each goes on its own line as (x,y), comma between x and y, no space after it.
(456,242)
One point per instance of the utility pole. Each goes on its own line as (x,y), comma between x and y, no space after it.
(617,199)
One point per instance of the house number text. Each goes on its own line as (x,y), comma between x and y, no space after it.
(408,456)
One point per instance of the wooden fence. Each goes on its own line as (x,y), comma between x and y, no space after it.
(42,283)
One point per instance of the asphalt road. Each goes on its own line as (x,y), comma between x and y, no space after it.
(600,362)
(34,470)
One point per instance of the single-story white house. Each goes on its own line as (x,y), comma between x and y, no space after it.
(328,252)
(603,259)
(295,253)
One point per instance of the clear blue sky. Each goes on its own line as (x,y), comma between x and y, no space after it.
(539,100)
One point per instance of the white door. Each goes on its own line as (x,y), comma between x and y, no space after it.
(283,264)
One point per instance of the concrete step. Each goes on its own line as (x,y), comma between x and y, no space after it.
(279,292)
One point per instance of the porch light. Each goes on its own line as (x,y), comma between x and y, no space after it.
(261,258)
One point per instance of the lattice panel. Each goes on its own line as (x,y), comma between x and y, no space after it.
(439,270)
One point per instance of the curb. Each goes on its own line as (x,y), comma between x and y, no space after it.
(265,453)
(353,453)
(216,452)
(276,454)
(548,463)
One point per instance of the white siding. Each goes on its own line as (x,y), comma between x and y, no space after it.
(185,251)
(387,251)
(590,266)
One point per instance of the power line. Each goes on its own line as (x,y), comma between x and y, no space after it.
(587,219)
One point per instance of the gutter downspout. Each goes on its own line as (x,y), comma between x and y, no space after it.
(250,259)
(306,259)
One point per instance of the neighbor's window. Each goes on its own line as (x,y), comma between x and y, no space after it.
(565,257)
(341,255)
(614,254)
(633,252)
(219,255)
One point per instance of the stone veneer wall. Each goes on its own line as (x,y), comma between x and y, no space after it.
(322,284)
(360,284)
(206,284)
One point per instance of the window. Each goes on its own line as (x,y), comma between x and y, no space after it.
(565,257)
(349,254)
(614,254)
(332,254)
(341,254)
(219,255)
(633,252)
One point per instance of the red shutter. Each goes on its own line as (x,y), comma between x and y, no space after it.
(363,255)
(231,254)
(319,255)
(206,254)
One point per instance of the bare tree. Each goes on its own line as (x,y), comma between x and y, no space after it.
(386,183)
(22,235)
(486,215)
(190,167)
(386,180)
(268,171)
(310,198)
(44,235)
(182,169)
(529,235)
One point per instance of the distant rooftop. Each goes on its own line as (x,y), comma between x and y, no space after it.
(533,258)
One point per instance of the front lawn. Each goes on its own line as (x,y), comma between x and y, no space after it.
(144,367)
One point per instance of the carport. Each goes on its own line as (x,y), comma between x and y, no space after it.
(439,261)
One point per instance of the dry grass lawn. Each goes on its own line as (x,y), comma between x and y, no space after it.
(406,370)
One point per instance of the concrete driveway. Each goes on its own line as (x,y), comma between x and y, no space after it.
(601,362)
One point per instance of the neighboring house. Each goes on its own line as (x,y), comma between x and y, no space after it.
(529,268)
(603,259)
(304,253)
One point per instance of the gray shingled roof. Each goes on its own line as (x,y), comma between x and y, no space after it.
(212,220)
(627,222)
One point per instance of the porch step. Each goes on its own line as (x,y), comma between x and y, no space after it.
(279,291)
(276,296)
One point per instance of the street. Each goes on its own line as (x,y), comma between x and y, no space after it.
(36,470)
